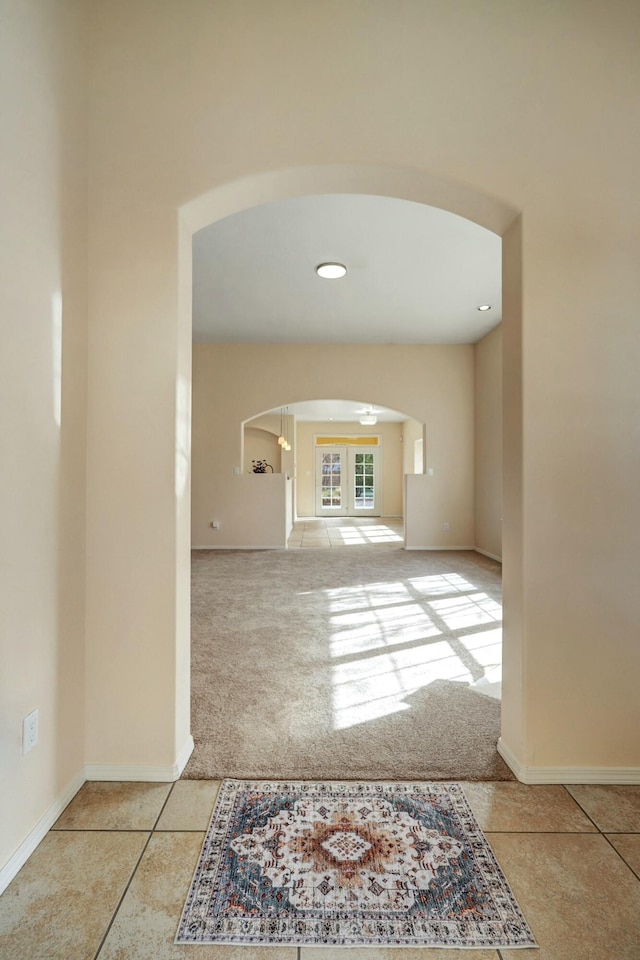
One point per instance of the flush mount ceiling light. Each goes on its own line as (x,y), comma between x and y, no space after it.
(484,306)
(331,271)
(368,419)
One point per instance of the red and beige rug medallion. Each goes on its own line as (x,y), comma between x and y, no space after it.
(368,864)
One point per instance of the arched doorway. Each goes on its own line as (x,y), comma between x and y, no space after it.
(360,448)
(403,184)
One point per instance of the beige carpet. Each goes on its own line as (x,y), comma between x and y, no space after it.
(361,663)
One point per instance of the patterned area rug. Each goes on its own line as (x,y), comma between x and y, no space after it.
(367,864)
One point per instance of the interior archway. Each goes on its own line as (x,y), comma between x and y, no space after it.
(286,440)
(404,184)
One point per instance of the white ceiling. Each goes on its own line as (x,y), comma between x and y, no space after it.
(416,274)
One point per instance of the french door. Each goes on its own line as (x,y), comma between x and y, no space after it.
(348,481)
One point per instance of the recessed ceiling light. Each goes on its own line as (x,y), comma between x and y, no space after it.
(331,271)
(484,306)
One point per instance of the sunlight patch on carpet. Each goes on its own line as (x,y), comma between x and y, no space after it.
(351,864)
(386,643)
(377,686)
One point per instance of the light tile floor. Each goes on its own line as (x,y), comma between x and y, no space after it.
(320,532)
(108,882)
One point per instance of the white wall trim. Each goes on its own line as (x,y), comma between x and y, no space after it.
(599,775)
(135,772)
(485,553)
(41,829)
(239,546)
(92,771)
(439,548)
(185,753)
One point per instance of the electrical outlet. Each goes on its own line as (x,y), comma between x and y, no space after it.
(30,732)
(446,525)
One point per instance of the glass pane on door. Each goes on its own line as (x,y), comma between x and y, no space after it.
(331,480)
(363,481)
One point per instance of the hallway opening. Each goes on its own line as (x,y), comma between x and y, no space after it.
(391,384)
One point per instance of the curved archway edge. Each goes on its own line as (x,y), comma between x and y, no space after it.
(418,186)
(305,396)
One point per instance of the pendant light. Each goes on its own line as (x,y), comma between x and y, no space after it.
(286,445)
(368,419)
(281,439)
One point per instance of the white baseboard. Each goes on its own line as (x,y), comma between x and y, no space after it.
(135,772)
(485,553)
(41,829)
(92,771)
(239,546)
(439,548)
(252,546)
(596,775)
(185,753)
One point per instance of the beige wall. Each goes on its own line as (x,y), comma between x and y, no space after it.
(390,435)
(515,704)
(425,520)
(43,383)
(260,444)
(196,111)
(235,129)
(412,433)
(488,444)
(233,381)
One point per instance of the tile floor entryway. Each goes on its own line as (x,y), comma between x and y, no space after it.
(321,532)
(108,882)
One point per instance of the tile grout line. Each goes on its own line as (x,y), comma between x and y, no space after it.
(166,801)
(133,872)
(111,829)
(590,818)
(636,875)
(124,893)
(603,834)
(542,833)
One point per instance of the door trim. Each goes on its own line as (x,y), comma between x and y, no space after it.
(349,443)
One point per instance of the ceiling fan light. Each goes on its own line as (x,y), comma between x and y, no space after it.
(368,419)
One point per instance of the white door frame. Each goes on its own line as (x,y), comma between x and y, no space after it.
(347,453)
